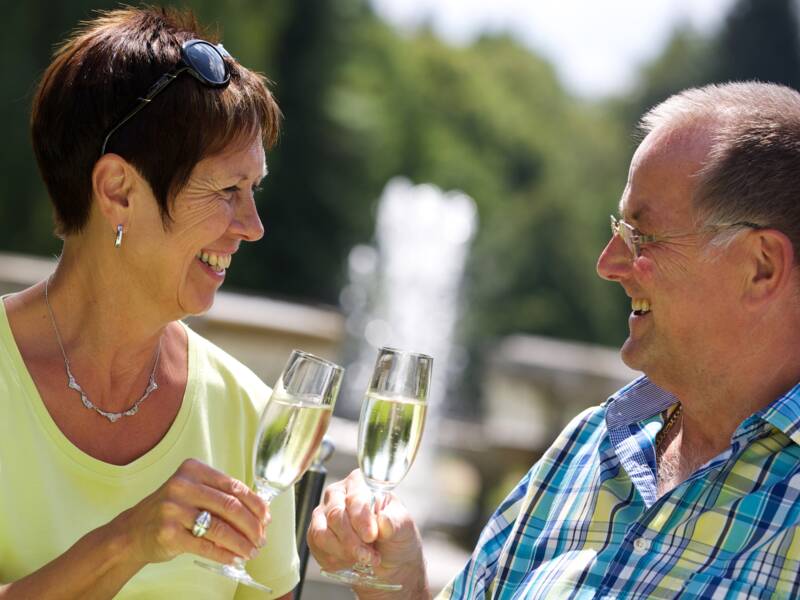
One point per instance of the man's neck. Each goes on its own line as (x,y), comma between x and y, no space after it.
(711,415)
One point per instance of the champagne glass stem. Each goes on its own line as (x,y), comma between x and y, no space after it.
(236,570)
(364,568)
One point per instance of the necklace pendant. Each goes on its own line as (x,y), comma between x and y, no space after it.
(74,385)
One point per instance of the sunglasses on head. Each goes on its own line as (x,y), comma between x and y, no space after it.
(202,60)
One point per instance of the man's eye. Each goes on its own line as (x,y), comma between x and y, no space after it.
(234,189)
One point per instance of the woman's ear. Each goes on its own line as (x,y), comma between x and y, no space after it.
(113,180)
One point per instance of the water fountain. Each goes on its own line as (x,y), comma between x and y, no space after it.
(404,292)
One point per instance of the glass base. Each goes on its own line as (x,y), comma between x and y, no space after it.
(357,579)
(234,572)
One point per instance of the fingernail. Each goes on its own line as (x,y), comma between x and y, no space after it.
(262,541)
(364,556)
(254,552)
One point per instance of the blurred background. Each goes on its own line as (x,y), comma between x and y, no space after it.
(443,181)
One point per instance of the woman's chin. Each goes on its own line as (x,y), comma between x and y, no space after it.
(197,302)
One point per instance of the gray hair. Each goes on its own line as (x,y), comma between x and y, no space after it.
(752,171)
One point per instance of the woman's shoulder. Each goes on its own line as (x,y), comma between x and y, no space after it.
(220,374)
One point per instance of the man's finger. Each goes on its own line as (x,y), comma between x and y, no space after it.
(329,547)
(361,514)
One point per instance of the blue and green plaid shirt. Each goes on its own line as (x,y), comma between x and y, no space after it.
(587,522)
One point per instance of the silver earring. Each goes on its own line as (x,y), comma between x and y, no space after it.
(118,241)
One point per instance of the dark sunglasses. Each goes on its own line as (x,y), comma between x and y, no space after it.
(202,60)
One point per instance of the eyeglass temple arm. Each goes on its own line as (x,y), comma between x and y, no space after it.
(154,90)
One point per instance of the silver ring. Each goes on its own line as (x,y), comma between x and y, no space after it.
(201,524)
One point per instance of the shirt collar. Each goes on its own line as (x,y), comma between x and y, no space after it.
(639,400)
(642,399)
(784,413)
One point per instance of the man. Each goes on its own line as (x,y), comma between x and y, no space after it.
(686,481)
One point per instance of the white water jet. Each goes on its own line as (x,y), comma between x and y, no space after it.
(404,293)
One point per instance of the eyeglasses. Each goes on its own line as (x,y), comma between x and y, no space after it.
(634,238)
(202,60)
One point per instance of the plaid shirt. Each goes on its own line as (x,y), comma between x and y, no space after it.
(587,522)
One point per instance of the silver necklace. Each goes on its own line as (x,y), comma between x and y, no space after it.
(152,386)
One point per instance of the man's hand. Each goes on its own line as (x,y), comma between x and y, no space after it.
(344,530)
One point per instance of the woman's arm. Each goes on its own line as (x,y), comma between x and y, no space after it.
(95,567)
(157,529)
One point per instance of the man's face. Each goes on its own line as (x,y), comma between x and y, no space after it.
(684,293)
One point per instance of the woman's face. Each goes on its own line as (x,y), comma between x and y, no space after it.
(212,215)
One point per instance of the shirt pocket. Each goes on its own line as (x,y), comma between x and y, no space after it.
(706,586)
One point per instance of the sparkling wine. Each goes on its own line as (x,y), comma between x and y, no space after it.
(292,429)
(389,435)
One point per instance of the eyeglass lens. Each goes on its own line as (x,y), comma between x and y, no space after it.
(618,228)
(207,61)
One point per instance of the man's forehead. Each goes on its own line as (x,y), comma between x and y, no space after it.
(662,177)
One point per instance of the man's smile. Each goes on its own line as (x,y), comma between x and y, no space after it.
(640,306)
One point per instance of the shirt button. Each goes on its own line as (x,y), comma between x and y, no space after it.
(641,545)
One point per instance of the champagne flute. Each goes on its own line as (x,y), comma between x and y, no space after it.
(290,431)
(389,434)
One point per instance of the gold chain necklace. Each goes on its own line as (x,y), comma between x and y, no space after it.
(152,386)
(668,424)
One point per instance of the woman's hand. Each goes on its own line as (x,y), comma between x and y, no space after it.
(160,526)
(344,531)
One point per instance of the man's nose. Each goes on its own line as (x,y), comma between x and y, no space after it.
(614,261)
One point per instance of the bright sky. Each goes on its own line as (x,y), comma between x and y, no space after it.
(596,45)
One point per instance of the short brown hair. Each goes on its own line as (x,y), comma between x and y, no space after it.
(96,77)
(751,171)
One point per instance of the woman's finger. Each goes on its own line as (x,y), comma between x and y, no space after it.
(220,533)
(231,509)
(206,548)
(211,477)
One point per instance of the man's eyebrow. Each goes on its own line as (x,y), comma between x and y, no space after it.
(638,217)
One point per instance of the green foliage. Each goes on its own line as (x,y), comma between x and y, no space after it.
(687,61)
(759,41)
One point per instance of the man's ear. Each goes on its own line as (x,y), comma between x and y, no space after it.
(770,261)
(113,181)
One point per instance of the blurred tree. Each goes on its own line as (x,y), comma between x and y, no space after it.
(759,41)
(314,207)
(688,60)
(33,29)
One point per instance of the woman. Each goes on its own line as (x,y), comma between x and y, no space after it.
(112,410)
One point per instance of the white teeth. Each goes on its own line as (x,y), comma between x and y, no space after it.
(219,262)
(640,305)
